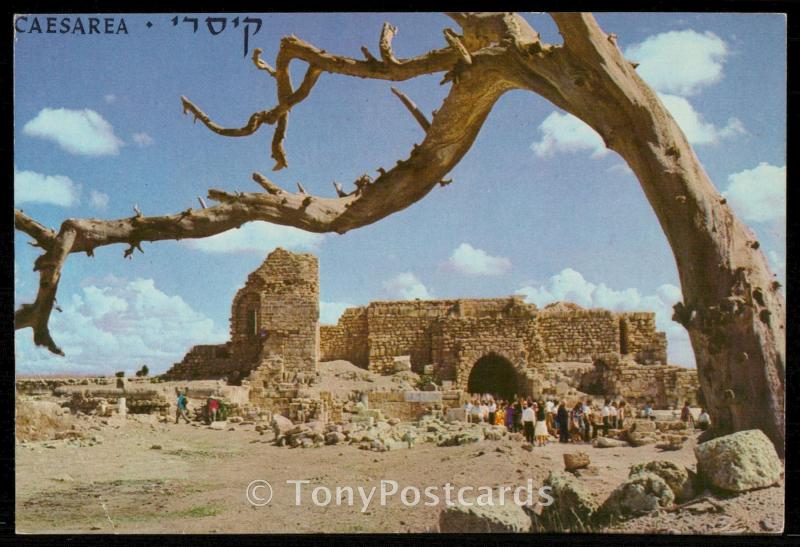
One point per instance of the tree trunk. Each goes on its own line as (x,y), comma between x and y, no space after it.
(732,308)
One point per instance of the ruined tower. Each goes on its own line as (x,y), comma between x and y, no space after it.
(274,326)
(276,313)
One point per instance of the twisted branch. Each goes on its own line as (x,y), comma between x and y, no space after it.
(447,139)
(319,61)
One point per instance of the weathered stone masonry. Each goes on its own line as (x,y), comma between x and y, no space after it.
(450,336)
(450,333)
(276,342)
(274,325)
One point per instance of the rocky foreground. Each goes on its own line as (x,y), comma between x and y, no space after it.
(87,473)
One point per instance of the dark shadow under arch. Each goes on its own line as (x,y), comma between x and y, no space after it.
(493,374)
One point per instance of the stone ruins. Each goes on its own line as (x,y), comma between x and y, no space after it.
(499,345)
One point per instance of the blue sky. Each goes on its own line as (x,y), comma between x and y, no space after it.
(537,207)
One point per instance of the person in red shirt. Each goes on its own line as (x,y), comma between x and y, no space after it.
(213,408)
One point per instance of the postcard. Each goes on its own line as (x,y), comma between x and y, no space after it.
(400,272)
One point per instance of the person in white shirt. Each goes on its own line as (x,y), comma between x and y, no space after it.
(549,416)
(606,413)
(492,411)
(484,411)
(704,420)
(528,419)
(648,411)
(612,414)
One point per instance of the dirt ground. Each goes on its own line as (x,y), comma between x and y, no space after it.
(140,477)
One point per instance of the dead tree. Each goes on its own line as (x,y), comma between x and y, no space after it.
(732,306)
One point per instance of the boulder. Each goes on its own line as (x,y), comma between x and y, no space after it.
(739,462)
(298,429)
(507,517)
(401,363)
(635,438)
(456,415)
(641,493)
(670,425)
(377,445)
(493,433)
(220,426)
(616,433)
(280,424)
(576,460)
(573,507)
(678,478)
(643,426)
(459,438)
(606,442)
(671,442)
(316,426)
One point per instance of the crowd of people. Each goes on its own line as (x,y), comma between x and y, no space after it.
(539,420)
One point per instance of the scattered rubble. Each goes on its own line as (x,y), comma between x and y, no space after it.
(679,479)
(641,493)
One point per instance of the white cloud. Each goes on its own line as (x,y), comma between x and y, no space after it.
(696,129)
(406,286)
(567,285)
(32,187)
(98,200)
(110,98)
(570,285)
(759,194)
(119,326)
(142,139)
(329,312)
(257,237)
(681,62)
(83,132)
(566,133)
(471,261)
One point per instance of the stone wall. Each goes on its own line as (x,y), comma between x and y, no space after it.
(402,328)
(205,362)
(460,342)
(577,335)
(665,385)
(412,405)
(453,334)
(276,313)
(347,339)
(640,338)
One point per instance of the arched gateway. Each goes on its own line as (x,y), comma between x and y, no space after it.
(494,374)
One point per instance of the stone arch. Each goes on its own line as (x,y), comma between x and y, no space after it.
(493,372)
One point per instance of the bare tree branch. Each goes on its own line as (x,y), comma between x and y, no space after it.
(416,112)
(387,34)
